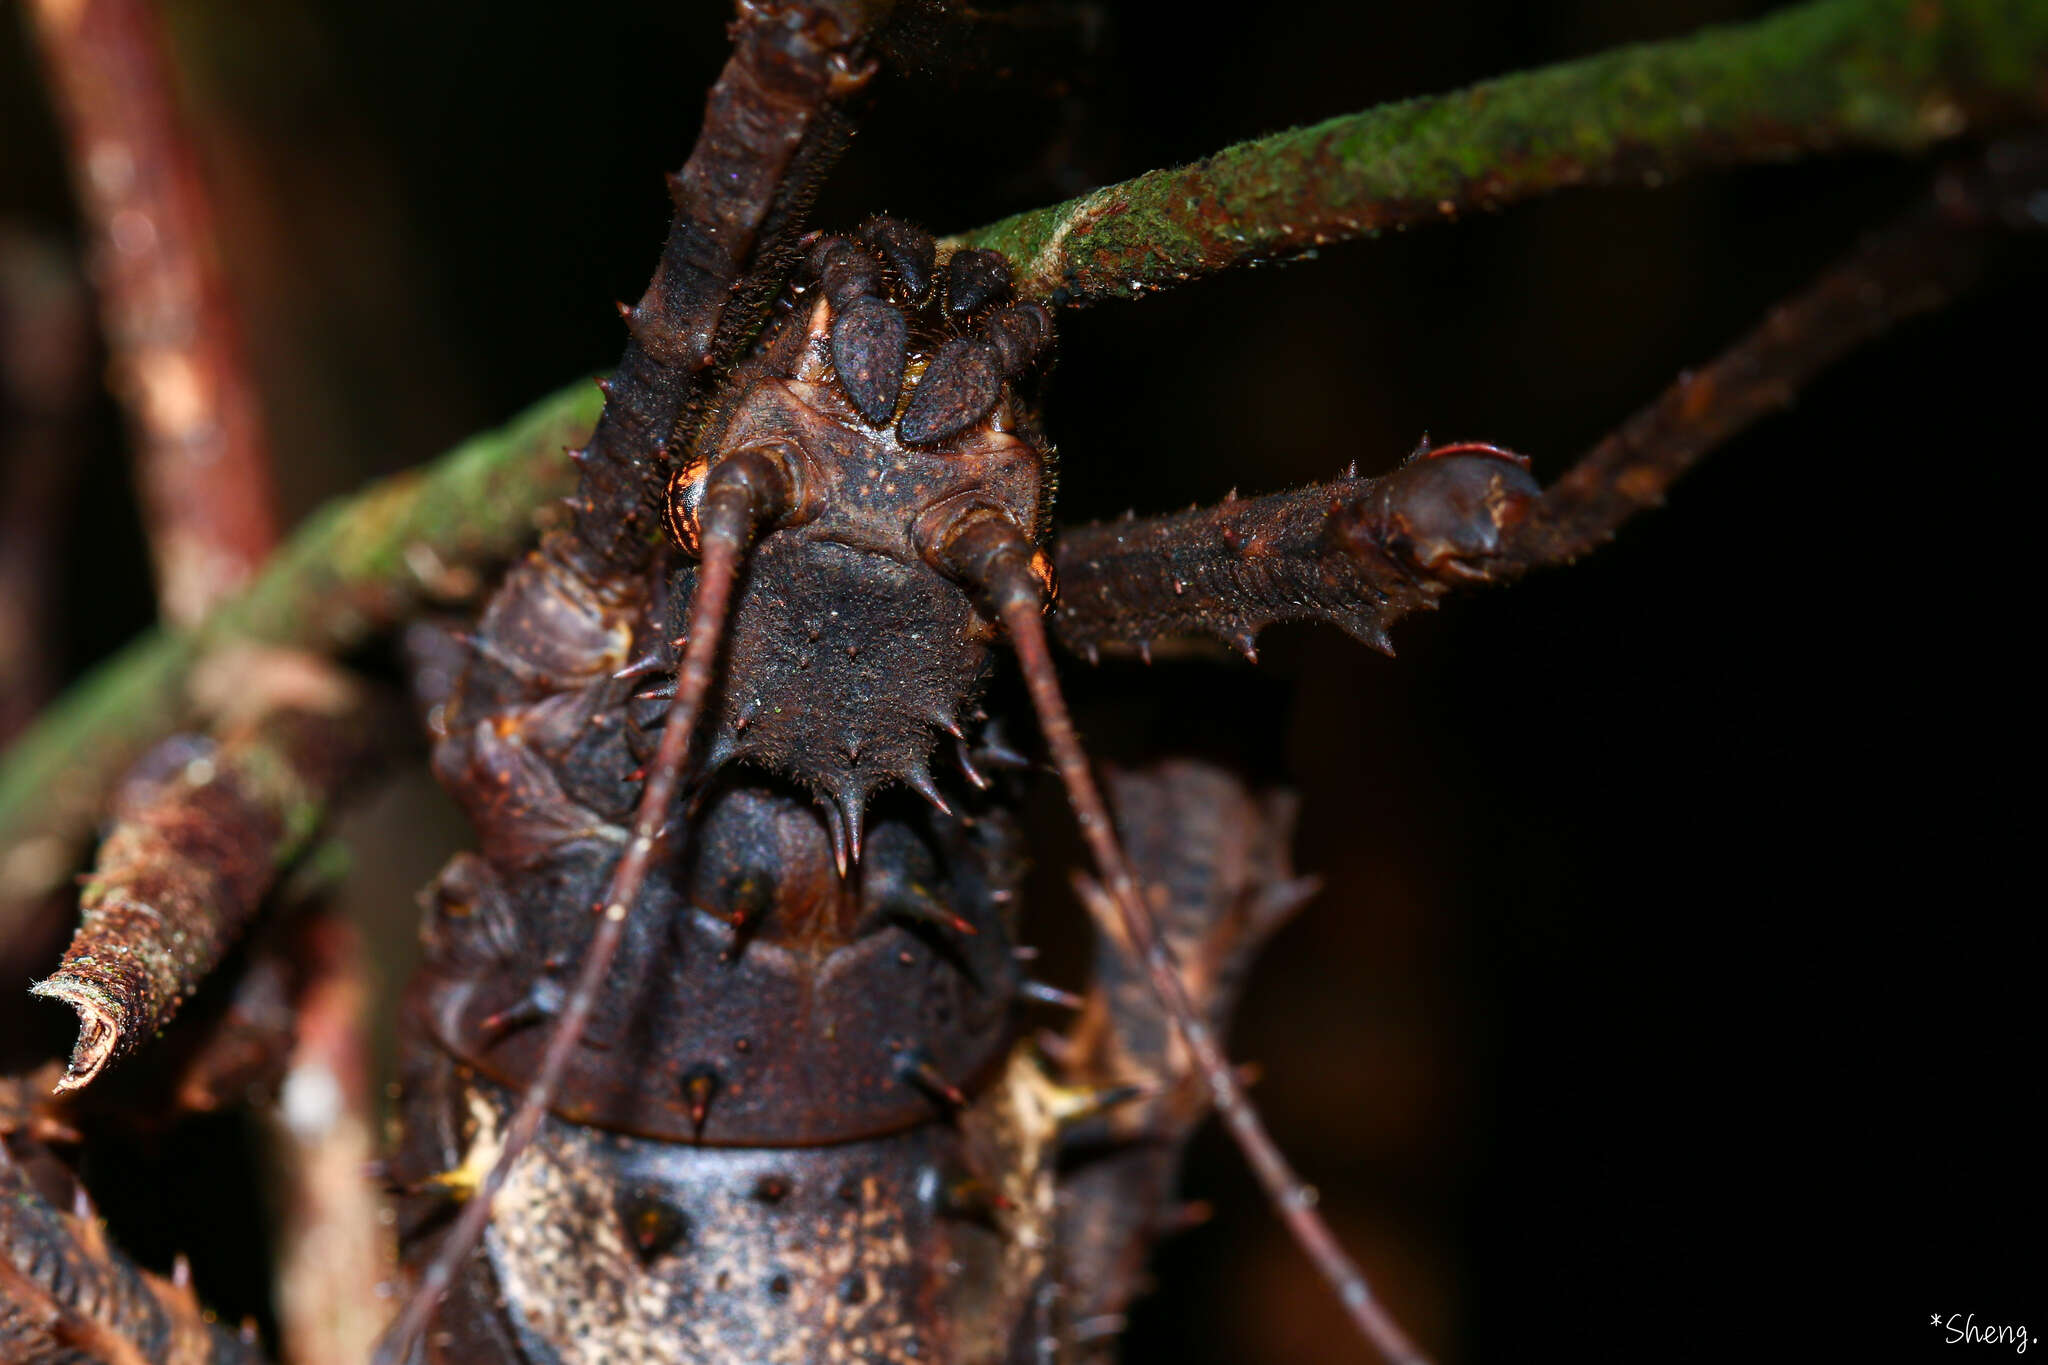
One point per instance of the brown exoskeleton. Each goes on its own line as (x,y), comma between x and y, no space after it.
(861,496)
(718,1051)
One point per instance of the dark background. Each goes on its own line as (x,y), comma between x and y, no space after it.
(1670,990)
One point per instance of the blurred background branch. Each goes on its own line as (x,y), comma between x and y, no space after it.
(45,359)
(174,337)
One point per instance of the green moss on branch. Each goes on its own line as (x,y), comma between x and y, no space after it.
(1883,74)
(357,566)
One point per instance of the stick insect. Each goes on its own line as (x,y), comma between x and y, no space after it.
(1418,547)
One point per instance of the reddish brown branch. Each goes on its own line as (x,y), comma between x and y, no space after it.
(203,829)
(1913,266)
(178,362)
(333,1252)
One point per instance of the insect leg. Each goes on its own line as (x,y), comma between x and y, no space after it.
(1357,553)
(744,492)
(993,554)
(1361,553)
(773,123)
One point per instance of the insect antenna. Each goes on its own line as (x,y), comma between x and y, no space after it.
(986,549)
(743,493)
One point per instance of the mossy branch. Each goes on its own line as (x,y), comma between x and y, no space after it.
(1892,75)
(357,566)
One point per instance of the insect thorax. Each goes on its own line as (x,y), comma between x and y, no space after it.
(899,396)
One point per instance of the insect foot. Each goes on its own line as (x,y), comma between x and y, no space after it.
(1357,553)
(1444,514)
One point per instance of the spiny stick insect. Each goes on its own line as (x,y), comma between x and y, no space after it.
(714,1054)
(913,517)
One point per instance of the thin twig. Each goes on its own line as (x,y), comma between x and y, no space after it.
(201,454)
(1893,75)
(333,1253)
(1915,265)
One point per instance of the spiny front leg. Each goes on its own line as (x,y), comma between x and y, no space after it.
(1357,553)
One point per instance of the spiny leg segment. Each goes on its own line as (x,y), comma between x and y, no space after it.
(1356,553)
(774,123)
